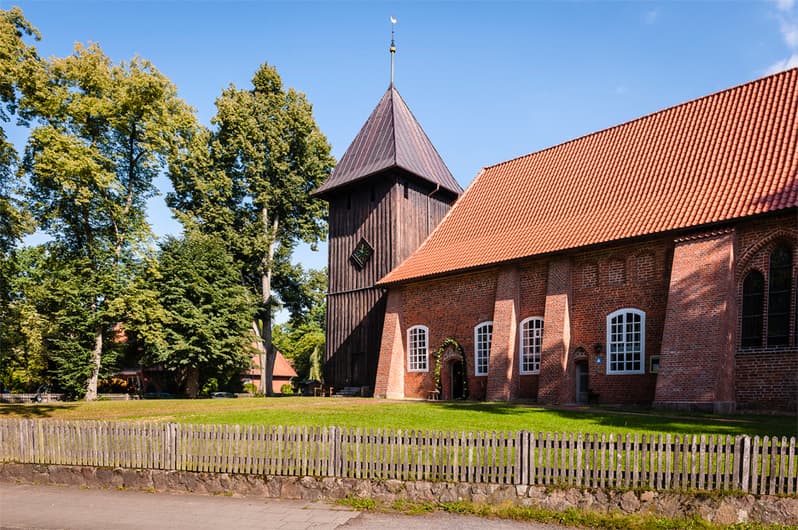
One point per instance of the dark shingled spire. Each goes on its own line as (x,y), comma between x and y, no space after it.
(390,138)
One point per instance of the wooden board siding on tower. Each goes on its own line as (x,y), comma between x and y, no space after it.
(394,213)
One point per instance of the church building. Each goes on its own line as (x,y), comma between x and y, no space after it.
(651,263)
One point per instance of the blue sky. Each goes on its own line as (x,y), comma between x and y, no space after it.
(488,81)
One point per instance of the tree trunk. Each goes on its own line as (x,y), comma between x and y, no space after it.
(267,373)
(96,360)
(269,355)
(192,381)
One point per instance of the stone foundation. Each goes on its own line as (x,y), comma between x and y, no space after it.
(718,509)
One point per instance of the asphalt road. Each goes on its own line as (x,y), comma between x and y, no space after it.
(54,507)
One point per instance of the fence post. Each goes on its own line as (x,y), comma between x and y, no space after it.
(173,461)
(335,447)
(745,453)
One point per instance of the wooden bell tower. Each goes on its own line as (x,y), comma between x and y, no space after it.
(387,193)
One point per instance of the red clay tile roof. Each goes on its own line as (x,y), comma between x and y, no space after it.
(282,368)
(391,137)
(724,156)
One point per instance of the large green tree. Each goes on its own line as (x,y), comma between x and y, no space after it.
(20,355)
(249,180)
(19,65)
(206,313)
(104,133)
(24,326)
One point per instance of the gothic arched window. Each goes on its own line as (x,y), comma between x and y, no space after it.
(753,310)
(779,296)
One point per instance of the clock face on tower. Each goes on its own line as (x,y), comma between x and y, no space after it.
(362,253)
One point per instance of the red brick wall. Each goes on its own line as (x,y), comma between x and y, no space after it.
(629,276)
(531,303)
(392,360)
(767,381)
(604,280)
(503,369)
(556,333)
(696,347)
(452,306)
(449,307)
(766,378)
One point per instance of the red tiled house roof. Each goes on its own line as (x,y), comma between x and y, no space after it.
(282,368)
(391,137)
(721,157)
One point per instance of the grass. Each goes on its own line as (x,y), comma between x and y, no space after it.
(571,517)
(379,413)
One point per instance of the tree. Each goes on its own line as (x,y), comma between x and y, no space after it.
(249,181)
(104,133)
(48,324)
(206,315)
(20,356)
(19,63)
(23,329)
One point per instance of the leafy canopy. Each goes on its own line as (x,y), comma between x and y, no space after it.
(104,133)
(19,63)
(249,180)
(206,317)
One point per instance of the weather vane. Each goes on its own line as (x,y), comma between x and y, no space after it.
(392,49)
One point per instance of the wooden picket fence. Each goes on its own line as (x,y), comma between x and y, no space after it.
(760,465)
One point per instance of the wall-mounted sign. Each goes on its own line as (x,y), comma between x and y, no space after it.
(362,253)
(653,364)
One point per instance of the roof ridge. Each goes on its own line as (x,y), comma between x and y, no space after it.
(392,90)
(693,101)
(421,128)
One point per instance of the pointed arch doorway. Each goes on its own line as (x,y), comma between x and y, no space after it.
(453,372)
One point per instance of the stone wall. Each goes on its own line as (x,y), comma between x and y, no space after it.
(723,510)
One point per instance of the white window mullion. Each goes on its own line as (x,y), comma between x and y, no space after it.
(626,342)
(483,334)
(417,349)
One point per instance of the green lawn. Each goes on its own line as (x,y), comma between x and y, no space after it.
(373,413)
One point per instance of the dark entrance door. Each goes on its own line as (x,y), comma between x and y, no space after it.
(457,379)
(582,392)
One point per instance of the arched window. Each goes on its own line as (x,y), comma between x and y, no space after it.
(753,310)
(483,334)
(531,340)
(418,349)
(626,341)
(779,294)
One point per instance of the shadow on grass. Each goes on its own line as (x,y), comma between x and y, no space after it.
(26,410)
(645,420)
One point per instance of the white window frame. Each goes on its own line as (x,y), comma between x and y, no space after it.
(417,361)
(479,351)
(533,342)
(624,346)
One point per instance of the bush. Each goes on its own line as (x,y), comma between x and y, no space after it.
(287,389)
(210,386)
